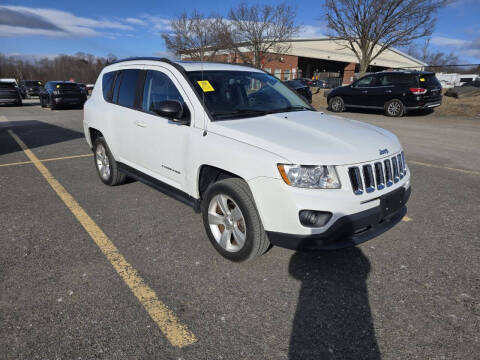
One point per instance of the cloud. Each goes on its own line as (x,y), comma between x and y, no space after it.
(135,21)
(21,20)
(459,46)
(444,41)
(312,31)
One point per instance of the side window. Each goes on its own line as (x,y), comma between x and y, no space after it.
(158,87)
(107,82)
(116,88)
(386,80)
(367,81)
(128,88)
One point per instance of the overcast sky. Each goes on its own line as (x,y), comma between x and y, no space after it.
(132,28)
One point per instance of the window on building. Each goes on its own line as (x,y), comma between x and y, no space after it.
(278,73)
(286,75)
(268,70)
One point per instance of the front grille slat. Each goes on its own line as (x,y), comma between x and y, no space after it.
(379,177)
(388,173)
(396,175)
(368,178)
(356,180)
(400,166)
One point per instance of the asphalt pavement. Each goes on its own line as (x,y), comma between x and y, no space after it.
(69,292)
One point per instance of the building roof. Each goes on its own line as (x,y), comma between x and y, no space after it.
(328,48)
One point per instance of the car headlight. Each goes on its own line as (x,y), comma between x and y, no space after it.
(310,176)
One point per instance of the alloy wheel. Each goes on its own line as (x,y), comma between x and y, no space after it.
(103,164)
(227,223)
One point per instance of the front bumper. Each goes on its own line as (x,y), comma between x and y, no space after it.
(59,101)
(347,231)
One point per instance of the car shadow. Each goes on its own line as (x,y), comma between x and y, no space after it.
(333,319)
(34,133)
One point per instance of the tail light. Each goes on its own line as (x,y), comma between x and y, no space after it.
(418,91)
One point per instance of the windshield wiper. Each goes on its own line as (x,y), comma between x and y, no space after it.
(239,112)
(291,108)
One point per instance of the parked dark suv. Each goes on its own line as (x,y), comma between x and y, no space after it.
(396,92)
(300,89)
(62,94)
(30,87)
(9,93)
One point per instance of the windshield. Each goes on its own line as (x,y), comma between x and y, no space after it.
(5,85)
(240,94)
(32,83)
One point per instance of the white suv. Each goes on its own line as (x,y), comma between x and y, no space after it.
(260,164)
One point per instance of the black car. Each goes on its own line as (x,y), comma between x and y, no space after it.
(30,87)
(300,88)
(10,93)
(395,92)
(57,94)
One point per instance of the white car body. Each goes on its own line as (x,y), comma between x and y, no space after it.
(250,148)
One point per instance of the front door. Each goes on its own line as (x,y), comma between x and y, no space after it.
(164,143)
(362,91)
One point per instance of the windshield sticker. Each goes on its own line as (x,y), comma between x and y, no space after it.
(58,86)
(422,79)
(205,85)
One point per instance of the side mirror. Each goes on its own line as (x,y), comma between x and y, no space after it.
(170,109)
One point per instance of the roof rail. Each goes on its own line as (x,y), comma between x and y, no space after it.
(151,58)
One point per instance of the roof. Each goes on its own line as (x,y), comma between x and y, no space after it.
(187,65)
(328,48)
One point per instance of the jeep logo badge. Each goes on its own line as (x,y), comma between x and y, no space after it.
(383,151)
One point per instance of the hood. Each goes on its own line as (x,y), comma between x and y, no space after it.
(311,138)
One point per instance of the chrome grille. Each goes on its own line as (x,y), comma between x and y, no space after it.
(377,176)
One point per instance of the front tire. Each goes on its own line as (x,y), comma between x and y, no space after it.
(394,108)
(336,104)
(232,222)
(105,164)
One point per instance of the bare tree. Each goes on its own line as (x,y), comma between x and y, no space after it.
(260,32)
(369,27)
(194,35)
(437,60)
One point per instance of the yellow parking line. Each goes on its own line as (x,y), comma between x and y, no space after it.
(16,163)
(50,159)
(471,172)
(176,333)
(67,157)
(406,219)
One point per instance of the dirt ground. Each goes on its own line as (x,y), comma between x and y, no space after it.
(469,107)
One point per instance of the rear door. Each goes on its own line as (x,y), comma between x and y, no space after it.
(125,97)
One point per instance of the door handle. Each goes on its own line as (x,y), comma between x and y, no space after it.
(141,124)
(365,91)
(388,91)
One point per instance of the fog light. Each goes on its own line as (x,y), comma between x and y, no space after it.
(312,218)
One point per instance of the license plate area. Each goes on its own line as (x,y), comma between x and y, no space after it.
(392,202)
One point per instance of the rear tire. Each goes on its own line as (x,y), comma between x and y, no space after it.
(336,104)
(232,222)
(105,164)
(394,108)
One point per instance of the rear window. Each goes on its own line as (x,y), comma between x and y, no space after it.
(128,87)
(107,82)
(428,80)
(4,85)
